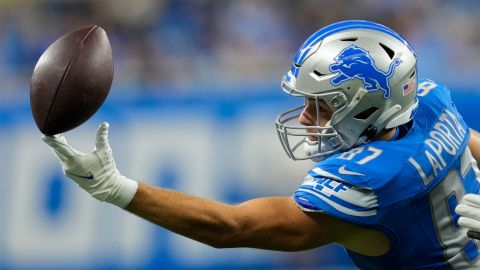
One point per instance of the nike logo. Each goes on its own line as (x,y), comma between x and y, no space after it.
(343,170)
(88,176)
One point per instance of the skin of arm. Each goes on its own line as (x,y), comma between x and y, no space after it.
(274,223)
(474,144)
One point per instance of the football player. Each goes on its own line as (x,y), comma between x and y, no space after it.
(392,162)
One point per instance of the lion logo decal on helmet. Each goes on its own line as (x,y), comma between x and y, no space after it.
(356,63)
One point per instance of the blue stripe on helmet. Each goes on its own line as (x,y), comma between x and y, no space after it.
(338,27)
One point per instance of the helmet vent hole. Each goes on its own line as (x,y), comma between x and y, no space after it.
(349,39)
(413,73)
(366,113)
(318,73)
(389,51)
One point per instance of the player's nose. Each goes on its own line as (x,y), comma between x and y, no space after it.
(308,116)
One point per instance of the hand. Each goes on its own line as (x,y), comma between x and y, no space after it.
(94,172)
(469,211)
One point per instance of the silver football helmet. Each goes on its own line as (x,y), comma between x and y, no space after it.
(364,72)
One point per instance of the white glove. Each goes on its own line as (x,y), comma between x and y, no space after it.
(469,211)
(94,172)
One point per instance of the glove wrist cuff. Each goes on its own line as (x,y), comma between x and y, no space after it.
(124,193)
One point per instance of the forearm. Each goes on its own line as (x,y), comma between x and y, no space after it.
(200,219)
(273,223)
(474,145)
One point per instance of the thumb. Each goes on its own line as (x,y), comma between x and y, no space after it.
(101,140)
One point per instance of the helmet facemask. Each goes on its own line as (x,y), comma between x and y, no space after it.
(315,142)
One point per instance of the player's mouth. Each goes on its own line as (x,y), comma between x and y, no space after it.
(311,140)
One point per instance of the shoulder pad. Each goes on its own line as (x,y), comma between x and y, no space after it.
(335,197)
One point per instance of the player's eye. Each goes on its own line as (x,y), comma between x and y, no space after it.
(321,109)
(320,106)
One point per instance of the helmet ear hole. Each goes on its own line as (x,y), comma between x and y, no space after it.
(366,113)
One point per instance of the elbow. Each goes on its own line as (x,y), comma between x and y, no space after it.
(221,242)
(236,240)
(228,238)
(230,234)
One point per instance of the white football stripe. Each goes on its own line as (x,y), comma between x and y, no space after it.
(341,208)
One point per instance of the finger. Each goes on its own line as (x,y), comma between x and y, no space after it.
(468,211)
(60,146)
(101,140)
(472,199)
(473,234)
(471,224)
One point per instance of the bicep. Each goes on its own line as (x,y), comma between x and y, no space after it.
(277,223)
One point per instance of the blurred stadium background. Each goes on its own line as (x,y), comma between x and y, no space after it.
(192,107)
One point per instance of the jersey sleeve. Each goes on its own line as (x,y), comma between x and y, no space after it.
(345,196)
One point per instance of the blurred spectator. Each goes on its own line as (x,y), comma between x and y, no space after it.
(164,45)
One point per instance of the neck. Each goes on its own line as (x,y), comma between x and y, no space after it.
(386,136)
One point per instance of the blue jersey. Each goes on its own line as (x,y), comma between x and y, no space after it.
(407,188)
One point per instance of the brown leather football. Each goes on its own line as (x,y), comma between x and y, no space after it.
(71,80)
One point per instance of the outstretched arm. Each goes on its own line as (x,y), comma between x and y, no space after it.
(274,223)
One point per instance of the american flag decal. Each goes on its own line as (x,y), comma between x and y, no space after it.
(407,88)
